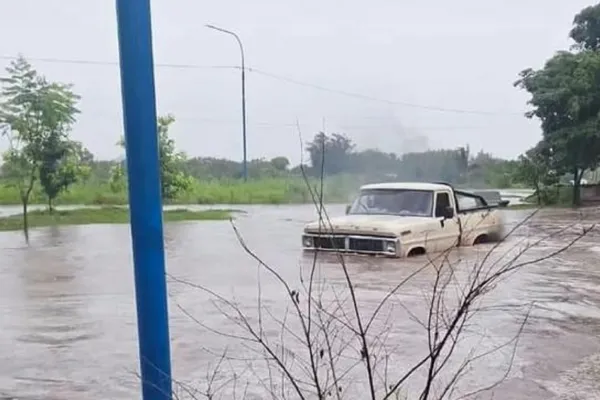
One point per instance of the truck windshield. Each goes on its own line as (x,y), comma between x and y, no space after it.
(403,202)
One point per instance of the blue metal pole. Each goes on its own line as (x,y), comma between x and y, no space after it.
(145,203)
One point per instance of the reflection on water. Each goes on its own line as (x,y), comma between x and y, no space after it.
(67,324)
(54,319)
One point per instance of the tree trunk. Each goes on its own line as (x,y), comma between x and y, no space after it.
(25,219)
(25,200)
(50,208)
(577,187)
(538,193)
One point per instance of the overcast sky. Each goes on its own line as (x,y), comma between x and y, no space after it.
(460,55)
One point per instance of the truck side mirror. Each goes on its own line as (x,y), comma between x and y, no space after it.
(347,209)
(448,212)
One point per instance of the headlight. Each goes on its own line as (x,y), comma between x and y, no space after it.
(307,241)
(390,247)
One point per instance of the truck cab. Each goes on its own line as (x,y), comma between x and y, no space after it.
(405,219)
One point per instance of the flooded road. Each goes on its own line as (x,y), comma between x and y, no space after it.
(67,322)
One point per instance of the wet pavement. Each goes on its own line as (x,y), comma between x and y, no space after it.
(67,322)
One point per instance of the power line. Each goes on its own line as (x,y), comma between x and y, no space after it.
(114,63)
(283,79)
(386,101)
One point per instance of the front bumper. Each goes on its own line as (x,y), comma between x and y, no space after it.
(358,244)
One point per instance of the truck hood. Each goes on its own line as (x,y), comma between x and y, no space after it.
(369,224)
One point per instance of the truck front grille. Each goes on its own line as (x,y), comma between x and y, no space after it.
(371,245)
(329,242)
(351,243)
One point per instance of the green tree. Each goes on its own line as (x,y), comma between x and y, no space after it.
(84,155)
(565,96)
(31,110)
(330,153)
(117,180)
(586,29)
(61,167)
(535,170)
(280,163)
(174,180)
(462,159)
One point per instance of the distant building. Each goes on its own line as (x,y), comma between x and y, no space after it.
(590,194)
(583,182)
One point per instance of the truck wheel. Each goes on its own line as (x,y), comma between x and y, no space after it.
(481,239)
(417,251)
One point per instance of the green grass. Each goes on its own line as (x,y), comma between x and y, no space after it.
(262,191)
(104,215)
(555,197)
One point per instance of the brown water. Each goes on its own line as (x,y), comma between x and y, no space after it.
(67,326)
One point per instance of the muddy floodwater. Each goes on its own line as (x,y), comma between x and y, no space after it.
(68,326)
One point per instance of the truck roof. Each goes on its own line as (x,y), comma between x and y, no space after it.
(406,185)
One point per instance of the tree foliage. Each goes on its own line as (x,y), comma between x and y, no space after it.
(280,163)
(174,179)
(535,170)
(117,180)
(565,97)
(35,115)
(586,29)
(337,148)
(64,164)
(338,155)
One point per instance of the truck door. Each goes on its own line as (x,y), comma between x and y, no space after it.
(475,218)
(448,232)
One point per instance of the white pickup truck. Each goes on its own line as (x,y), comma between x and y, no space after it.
(406,219)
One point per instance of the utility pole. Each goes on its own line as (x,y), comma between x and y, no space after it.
(237,38)
(145,203)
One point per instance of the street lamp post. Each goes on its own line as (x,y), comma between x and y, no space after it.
(237,38)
